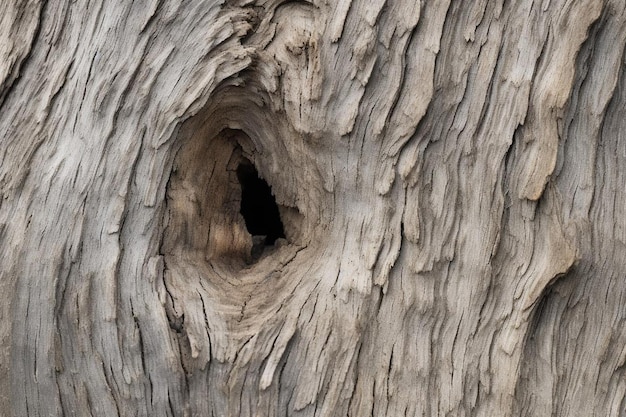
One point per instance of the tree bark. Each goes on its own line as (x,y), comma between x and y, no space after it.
(449,177)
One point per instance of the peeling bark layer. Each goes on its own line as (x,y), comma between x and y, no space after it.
(449,177)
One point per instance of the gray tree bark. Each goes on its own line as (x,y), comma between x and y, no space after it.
(449,174)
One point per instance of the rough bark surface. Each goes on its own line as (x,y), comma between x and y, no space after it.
(450,176)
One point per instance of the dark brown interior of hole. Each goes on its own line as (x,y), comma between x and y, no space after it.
(258,205)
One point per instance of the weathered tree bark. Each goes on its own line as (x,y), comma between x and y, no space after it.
(450,178)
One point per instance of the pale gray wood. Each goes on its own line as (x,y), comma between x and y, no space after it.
(450,176)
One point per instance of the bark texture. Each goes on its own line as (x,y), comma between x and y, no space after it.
(449,174)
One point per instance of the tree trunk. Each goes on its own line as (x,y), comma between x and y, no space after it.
(439,228)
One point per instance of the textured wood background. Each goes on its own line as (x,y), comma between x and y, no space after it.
(450,175)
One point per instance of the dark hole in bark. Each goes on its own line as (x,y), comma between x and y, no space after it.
(258,207)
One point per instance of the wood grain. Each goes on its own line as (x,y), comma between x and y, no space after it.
(450,178)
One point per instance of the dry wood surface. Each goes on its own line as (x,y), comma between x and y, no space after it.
(450,181)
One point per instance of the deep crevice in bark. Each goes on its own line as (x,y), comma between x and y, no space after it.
(258,206)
